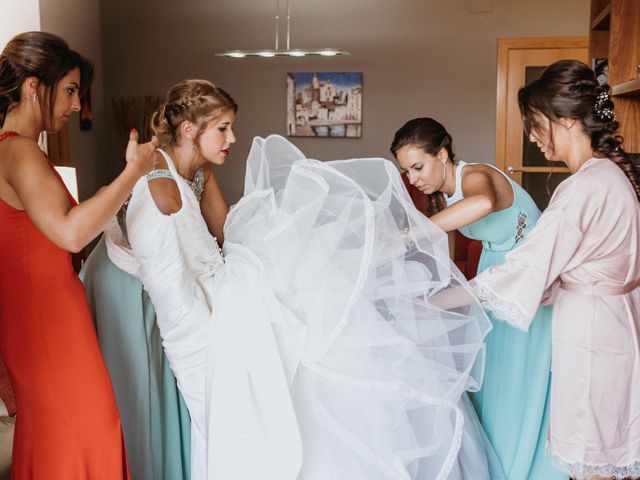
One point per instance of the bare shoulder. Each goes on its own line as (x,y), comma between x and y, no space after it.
(477,176)
(478,172)
(28,182)
(489,175)
(23,165)
(21,152)
(165,191)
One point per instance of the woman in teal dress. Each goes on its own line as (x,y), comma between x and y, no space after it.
(484,204)
(155,420)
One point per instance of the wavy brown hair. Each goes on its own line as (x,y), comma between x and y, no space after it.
(569,89)
(44,56)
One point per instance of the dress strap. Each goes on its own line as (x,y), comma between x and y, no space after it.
(457,194)
(8,134)
(159,173)
(601,290)
(170,165)
(196,185)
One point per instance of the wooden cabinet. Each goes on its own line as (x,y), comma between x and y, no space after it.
(615,34)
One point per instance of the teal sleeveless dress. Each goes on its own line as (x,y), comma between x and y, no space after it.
(513,403)
(155,419)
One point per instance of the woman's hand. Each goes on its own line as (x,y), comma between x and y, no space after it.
(141,158)
(453,296)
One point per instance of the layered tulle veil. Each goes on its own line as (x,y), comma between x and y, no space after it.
(329,359)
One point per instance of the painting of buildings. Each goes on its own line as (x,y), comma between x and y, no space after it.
(324,104)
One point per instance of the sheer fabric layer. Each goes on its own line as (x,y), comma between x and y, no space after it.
(324,342)
(314,352)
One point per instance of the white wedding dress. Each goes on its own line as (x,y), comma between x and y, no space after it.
(312,351)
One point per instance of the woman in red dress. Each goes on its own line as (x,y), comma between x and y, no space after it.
(68,425)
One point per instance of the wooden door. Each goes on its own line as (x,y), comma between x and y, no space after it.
(520,61)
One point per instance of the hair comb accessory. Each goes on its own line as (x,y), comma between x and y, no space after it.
(603,112)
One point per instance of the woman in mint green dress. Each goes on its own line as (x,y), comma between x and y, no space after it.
(484,204)
(155,420)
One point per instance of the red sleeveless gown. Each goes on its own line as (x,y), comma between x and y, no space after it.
(67,424)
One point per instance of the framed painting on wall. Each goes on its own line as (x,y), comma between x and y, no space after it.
(324,104)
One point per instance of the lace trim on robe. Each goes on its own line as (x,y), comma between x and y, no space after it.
(507,310)
(584,471)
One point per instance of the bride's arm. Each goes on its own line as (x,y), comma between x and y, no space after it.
(213,205)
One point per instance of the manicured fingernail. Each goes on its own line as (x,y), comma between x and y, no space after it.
(133,130)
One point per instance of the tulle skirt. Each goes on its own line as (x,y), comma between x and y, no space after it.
(327,358)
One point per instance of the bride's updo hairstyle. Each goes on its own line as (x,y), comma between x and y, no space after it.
(569,89)
(196,101)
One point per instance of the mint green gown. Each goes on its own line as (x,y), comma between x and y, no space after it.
(155,419)
(513,403)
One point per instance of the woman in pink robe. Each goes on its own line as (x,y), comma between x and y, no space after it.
(582,257)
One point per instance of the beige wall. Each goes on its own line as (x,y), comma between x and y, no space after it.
(78,22)
(418,57)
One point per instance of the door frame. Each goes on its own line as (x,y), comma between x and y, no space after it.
(521,43)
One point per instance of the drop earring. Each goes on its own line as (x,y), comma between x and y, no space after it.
(444,172)
(35,97)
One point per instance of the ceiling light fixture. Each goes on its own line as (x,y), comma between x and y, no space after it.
(287,52)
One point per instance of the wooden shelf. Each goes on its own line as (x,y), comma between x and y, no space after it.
(628,88)
(602,20)
(614,34)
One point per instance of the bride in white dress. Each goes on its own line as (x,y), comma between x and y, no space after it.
(310,350)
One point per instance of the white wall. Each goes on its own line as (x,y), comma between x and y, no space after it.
(78,22)
(18,16)
(419,57)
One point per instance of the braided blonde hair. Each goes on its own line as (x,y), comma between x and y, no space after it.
(196,101)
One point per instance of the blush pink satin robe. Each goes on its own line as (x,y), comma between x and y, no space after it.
(582,257)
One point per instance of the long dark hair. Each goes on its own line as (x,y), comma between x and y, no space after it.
(569,89)
(44,56)
(430,136)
